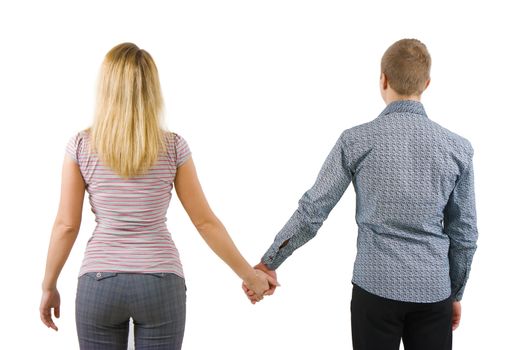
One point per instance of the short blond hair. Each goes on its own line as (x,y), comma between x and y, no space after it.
(128,131)
(406,65)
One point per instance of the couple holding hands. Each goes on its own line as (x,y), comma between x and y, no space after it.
(415,212)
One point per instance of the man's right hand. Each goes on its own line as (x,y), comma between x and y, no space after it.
(456,314)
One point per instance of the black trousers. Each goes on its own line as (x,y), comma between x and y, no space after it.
(380,324)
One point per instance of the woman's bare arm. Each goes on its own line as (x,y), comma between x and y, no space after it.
(211,229)
(63,236)
(67,222)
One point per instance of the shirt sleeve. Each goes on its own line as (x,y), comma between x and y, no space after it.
(460,225)
(72,147)
(314,207)
(182,150)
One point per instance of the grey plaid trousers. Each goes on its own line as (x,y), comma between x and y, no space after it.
(105,301)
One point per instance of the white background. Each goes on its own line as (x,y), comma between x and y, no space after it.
(260,90)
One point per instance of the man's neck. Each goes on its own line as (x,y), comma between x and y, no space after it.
(394,97)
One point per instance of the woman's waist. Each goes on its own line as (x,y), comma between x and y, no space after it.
(126,238)
(121,228)
(166,260)
(137,245)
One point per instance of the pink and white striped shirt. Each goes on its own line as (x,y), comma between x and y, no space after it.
(131,233)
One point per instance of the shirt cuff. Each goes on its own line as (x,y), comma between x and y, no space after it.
(272,259)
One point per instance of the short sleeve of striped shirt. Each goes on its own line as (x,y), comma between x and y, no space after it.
(72,147)
(182,150)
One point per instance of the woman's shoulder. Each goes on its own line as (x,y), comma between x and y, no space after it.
(76,144)
(82,134)
(173,134)
(177,139)
(78,137)
(180,146)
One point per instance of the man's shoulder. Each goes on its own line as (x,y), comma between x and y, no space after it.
(455,140)
(359,131)
(375,128)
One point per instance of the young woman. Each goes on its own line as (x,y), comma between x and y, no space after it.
(128,163)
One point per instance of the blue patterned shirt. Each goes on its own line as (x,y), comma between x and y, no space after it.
(415,210)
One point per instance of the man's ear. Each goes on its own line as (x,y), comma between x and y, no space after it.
(384,81)
(427,83)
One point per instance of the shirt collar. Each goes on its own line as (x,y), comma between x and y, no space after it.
(404,106)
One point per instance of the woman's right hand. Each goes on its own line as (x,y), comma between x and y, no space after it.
(259,282)
(273,283)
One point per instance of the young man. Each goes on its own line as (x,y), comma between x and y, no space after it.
(416,215)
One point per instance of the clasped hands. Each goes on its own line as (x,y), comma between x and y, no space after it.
(264,284)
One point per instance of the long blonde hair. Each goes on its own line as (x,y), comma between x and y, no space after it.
(127,133)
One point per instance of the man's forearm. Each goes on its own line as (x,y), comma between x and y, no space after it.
(460,260)
(314,207)
(297,231)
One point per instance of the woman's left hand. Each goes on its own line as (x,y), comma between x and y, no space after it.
(50,299)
